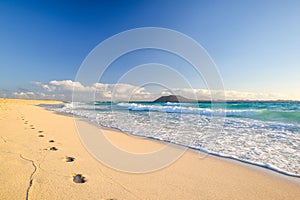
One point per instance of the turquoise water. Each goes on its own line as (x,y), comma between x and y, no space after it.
(288,112)
(266,134)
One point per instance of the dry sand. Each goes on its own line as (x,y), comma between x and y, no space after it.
(30,170)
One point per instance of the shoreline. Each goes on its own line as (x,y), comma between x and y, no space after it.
(291,177)
(188,177)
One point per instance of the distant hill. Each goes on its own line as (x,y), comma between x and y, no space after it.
(174,98)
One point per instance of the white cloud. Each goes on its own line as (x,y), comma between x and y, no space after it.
(67,85)
(102,92)
(24,95)
(46,87)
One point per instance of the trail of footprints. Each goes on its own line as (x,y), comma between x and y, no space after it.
(77,178)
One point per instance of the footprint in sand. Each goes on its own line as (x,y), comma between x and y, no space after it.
(41,131)
(40,135)
(51,141)
(69,159)
(78,178)
(53,149)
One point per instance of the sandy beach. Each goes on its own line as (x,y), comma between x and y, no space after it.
(35,143)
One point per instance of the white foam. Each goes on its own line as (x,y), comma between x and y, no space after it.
(178,108)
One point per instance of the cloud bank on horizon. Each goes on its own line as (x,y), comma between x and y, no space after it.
(63,90)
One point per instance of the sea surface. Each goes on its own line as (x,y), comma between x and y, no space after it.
(266,134)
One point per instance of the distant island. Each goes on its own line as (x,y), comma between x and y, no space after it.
(174,98)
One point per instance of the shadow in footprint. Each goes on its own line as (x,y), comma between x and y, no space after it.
(78,178)
(53,149)
(51,141)
(41,131)
(40,135)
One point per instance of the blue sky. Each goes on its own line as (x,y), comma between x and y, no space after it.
(255,44)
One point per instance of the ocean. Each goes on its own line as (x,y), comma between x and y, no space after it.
(265,134)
